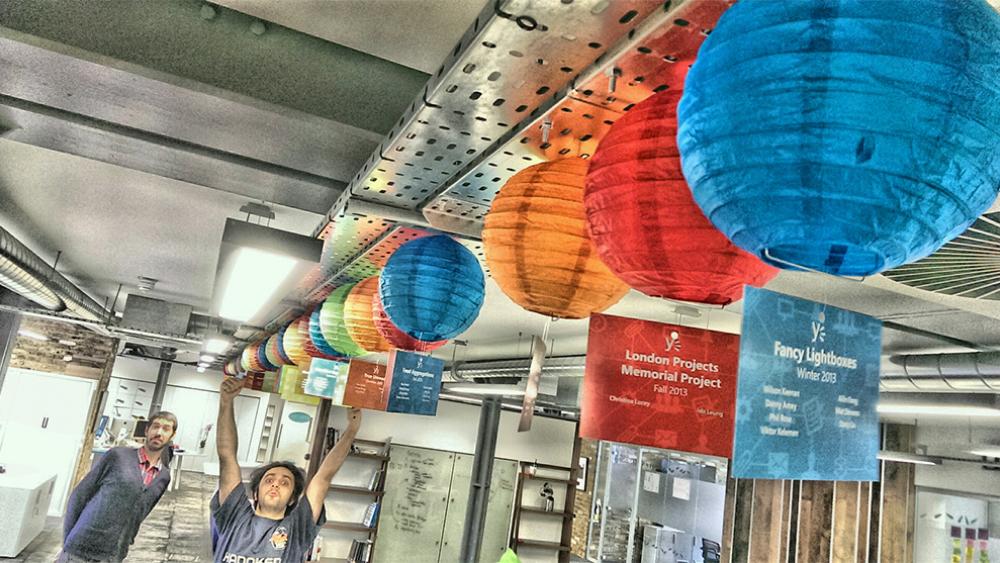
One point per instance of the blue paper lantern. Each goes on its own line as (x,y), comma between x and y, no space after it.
(432,288)
(281,346)
(316,335)
(844,136)
(262,358)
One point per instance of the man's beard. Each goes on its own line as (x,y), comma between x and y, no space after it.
(154,448)
(272,506)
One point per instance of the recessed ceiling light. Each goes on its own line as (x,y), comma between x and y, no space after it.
(906,457)
(200,369)
(67,342)
(215,345)
(207,358)
(938,410)
(32,334)
(485,389)
(67,358)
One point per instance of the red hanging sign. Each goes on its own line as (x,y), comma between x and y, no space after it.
(659,385)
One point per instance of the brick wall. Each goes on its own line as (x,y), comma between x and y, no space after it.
(582,502)
(91,355)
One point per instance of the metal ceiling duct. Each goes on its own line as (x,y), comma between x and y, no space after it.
(968,372)
(25,273)
(560,366)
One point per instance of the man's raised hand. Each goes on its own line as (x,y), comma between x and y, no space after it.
(230,388)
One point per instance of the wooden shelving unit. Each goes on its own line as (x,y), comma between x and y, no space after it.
(265,434)
(380,464)
(555,475)
(546,544)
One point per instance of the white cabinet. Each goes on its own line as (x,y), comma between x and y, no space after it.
(25,494)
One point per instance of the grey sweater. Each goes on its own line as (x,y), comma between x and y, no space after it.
(107,507)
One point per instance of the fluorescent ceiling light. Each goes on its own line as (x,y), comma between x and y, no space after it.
(67,343)
(203,365)
(208,358)
(201,369)
(253,281)
(905,457)
(215,345)
(485,389)
(987,451)
(32,334)
(938,410)
(67,358)
(258,266)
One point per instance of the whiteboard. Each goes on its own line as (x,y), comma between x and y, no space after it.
(414,507)
(496,531)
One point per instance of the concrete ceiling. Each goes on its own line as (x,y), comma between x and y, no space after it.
(413,33)
(140,131)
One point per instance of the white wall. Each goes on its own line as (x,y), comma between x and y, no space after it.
(956,441)
(454,429)
(193,397)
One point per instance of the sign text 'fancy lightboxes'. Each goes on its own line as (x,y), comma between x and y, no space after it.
(808,391)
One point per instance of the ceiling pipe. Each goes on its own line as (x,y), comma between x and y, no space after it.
(562,366)
(967,372)
(25,273)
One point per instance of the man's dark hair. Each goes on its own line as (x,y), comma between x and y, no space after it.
(258,475)
(165,415)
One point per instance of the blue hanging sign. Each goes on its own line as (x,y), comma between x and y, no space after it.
(415,383)
(807,391)
(327,378)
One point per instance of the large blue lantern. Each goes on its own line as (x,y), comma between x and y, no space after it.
(432,288)
(847,136)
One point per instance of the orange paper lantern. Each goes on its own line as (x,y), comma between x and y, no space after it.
(358,316)
(537,248)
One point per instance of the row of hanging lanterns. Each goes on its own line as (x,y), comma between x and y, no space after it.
(810,146)
(434,286)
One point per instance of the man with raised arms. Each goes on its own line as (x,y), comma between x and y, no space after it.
(277,516)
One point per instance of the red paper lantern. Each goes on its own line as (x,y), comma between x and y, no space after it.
(395,336)
(644,221)
(254,362)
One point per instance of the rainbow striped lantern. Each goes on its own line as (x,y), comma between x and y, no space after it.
(396,337)
(230,369)
(292,341)
(319,343)
(432,288)
(282,353)
(358,316)
(331,322)
(271,351)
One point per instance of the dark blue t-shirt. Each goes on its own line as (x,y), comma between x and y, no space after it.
(245,537)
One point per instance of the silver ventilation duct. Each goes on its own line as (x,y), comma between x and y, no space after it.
(967,372)
(25,273)
(560,366)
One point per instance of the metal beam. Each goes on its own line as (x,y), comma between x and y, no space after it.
(218,47)
(482,473)
(161,388)
(9,323)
